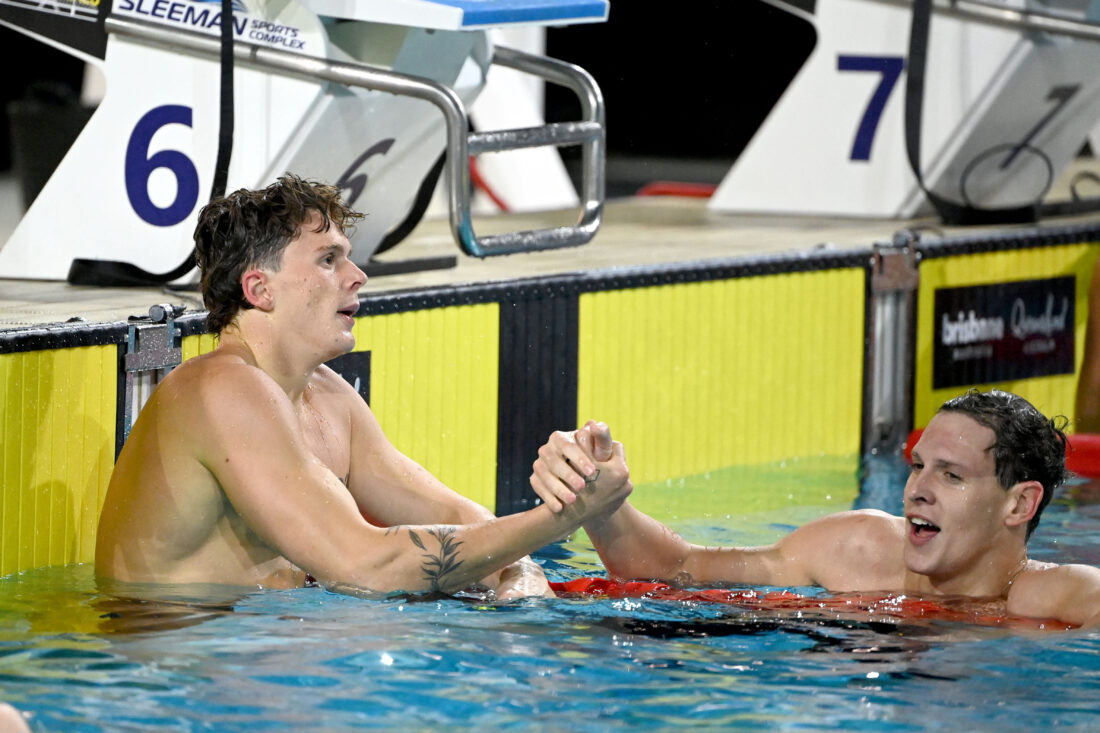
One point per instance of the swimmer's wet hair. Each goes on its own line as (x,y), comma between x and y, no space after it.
(248,229)
(1028,446)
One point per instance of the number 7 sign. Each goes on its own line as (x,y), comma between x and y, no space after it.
(1004,112)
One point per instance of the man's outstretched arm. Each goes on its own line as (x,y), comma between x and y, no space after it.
(255,450)
(633,545)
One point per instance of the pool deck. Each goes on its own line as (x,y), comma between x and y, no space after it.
(636,232)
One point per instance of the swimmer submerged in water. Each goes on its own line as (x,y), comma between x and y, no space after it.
(255,464)
(983,471)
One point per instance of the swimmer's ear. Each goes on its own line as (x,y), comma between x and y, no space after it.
(1024,499)
(254,286)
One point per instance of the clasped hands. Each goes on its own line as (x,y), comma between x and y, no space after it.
(584,464)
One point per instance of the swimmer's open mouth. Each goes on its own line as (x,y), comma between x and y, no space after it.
(349,311)
(922,527)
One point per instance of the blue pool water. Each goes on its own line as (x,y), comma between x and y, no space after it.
(306,659)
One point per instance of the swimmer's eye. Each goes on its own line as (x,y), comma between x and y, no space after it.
(915,466)
(952,476)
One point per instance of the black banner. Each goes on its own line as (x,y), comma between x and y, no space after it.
(71,23)
(1002,332)
(354,366)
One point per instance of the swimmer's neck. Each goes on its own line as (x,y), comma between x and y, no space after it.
(993,580)
(293,372)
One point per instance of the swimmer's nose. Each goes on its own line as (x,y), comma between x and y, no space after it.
(916,489)
(359,277)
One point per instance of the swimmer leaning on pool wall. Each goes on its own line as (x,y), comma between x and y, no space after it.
(983,471)
(255,464)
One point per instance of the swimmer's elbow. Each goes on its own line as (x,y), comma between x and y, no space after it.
(637,568)
(1092,622)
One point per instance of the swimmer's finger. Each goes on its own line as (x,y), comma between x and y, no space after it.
(564,456)
(614,472)
(595,439)
(601,440)
(550,489)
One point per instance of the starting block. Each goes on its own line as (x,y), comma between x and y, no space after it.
(365,95)
(1010,97)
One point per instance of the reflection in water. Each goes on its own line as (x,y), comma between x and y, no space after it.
(130,608)
(131,616)
(71,600)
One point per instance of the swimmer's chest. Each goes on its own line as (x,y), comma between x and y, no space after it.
(328,438)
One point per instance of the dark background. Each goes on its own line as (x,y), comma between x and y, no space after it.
(34,69)
(683,92)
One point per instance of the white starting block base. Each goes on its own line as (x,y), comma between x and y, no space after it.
(130,188)
(834,144)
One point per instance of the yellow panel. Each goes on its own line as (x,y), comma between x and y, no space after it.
(57,440)
(433,387)
(1051,395)
(198,344)
(699,376)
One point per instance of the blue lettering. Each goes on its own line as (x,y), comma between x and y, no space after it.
(182,13)
(239,24)
(193,17)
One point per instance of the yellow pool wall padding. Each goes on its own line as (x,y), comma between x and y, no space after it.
(774,372)
(57,416)
(433,388)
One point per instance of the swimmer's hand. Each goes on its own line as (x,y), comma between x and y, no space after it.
(573,462)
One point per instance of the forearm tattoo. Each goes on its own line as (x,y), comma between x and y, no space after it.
(439,565)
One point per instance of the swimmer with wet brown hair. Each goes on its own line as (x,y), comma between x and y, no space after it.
(255,465)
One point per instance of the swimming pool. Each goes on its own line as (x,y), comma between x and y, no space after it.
(310,660)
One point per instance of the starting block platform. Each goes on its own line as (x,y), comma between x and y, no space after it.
(456,15)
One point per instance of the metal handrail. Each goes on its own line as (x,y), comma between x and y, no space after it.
(589,132)
(998,14)
(1026,19)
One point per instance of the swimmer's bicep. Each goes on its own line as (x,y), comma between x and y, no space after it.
(845,551)
(255,451)
(826,552)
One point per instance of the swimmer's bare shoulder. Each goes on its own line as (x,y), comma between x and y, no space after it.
(201,401)
(1069,593)
(166,507)
(861,549)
